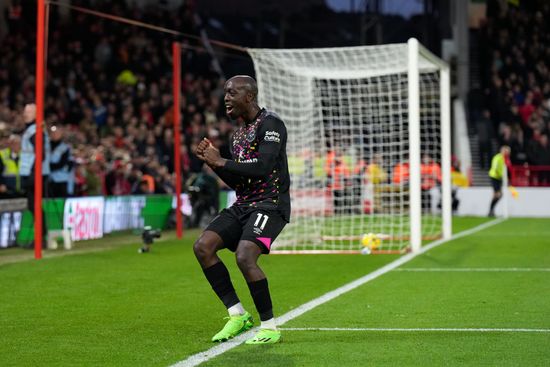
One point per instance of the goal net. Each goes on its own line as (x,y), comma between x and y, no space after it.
(366,145)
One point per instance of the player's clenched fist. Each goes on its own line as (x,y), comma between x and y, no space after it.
(205,143)
(212,157)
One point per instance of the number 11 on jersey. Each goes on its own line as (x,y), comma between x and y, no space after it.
(258,220)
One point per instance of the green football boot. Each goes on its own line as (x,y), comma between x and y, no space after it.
(265,336)
(233,327)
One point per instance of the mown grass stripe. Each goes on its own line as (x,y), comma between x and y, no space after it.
(201,357)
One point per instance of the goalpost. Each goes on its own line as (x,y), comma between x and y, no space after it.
(368,145)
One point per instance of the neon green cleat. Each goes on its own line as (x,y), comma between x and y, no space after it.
(233,327)
(265,336)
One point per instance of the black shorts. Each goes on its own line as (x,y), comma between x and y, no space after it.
(497,184)
(238,223)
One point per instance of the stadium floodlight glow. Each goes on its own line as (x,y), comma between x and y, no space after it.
(360,121)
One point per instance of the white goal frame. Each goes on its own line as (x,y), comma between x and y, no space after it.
(418,59)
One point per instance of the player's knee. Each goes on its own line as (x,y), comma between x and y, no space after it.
(202,249)
(245,260)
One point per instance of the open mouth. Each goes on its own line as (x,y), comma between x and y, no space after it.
(228,109)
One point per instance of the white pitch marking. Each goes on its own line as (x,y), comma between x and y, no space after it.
(466,330)
(498,270)
(196,359)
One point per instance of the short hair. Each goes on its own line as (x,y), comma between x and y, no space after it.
(505,148)
(248,83)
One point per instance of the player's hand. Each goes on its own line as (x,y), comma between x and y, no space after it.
(204,143)
(212,157)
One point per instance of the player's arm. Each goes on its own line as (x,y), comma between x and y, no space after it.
(271,136)
(230,179)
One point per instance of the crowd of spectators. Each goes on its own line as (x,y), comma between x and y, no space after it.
(109,87)
(515,54)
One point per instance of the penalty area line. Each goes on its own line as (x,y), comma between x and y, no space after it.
(465,330)
(201,357)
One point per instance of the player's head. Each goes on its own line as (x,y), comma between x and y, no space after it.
(240,95)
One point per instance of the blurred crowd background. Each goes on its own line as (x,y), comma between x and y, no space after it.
(109,91)
(109,97)
(512,107)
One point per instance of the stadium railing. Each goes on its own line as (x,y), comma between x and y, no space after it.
(527,175)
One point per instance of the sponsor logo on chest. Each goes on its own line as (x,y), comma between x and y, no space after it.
(272,136)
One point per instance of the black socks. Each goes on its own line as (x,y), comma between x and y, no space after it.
(219,279)
(493,204)
(260,294)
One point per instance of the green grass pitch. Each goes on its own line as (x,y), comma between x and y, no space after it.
(107,305)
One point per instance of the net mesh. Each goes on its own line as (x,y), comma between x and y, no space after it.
(346,112)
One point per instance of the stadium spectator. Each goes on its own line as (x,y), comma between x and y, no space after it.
(89,178)
(458,180)
(485,134)
(430,177)
(538,153)
(338,178)
(10,183)
(142,188)
(116,181)
(513,138)
(14,13)
(375,170)
(400,174)
(61,165)
(84,96)
(27,162)
(377,176)
(518,93)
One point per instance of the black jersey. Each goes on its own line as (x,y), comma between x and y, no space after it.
(259,169)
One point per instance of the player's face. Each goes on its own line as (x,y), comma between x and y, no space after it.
(235,99)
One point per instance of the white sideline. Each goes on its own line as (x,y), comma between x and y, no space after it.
(498,270)
(198,358)
(475,330)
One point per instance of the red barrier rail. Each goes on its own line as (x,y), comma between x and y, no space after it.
(527,175)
